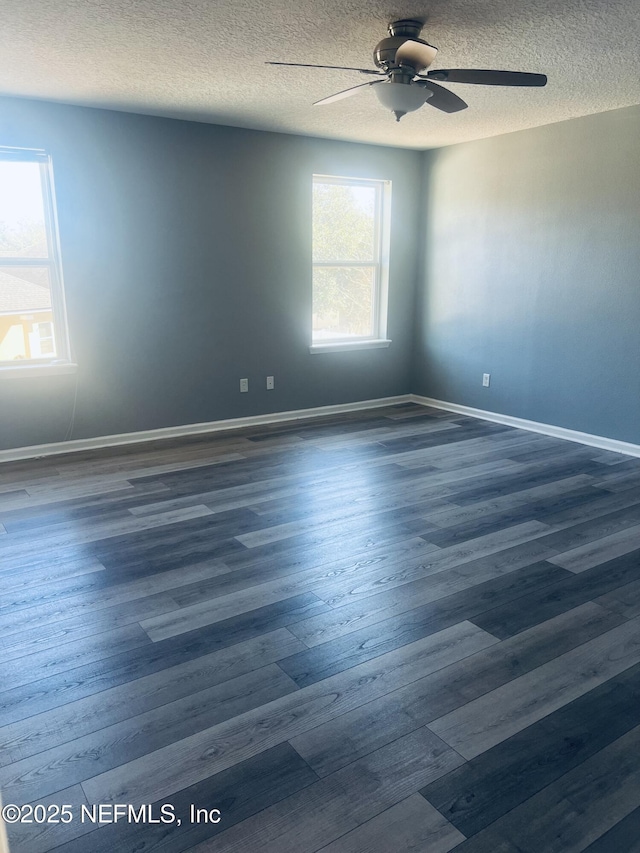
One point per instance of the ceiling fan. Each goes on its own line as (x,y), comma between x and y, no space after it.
(401,58)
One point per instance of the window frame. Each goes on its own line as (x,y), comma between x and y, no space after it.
(380,265)
(61,362)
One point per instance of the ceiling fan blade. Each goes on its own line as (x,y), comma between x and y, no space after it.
(441,98)
(488,78)
(335,67)
(415,53)
(346,93)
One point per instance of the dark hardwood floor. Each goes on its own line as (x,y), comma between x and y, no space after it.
(389,631)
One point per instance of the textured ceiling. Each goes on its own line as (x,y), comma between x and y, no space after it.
(204,60)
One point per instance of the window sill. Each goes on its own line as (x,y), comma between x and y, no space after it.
(347,346)
(38,370)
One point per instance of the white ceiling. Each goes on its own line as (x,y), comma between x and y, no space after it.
(204,60)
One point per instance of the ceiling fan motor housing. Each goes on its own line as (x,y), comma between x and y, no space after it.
(384,53)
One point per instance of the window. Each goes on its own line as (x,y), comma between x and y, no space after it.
(350,262)
(33,330)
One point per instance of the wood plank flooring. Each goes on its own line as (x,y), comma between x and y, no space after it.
(388,631)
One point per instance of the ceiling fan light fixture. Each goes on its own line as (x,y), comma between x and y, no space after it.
(401,98)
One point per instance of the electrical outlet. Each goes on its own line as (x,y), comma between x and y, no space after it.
(244,385)
(270,385)
(486,378)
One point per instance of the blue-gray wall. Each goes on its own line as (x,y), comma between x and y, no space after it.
(531,272)
(186,252)
(187,260)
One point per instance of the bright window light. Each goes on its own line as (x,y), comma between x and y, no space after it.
(32,314)
(350,259)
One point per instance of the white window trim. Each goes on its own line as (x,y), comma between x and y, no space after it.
(347,346)
(50,368)
(62,361)
(382,240)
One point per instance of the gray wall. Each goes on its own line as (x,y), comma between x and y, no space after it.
(186,251)
(531,272)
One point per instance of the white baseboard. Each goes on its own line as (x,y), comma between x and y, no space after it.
(77,445)
(599,441)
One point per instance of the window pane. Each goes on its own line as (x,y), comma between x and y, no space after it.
(26,318)
(343,302)
(343,222)
(22,224)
